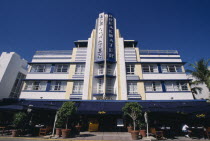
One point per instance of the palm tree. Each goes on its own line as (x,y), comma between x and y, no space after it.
(200,70)
(194,89)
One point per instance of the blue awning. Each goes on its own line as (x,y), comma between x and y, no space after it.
(11,108)
(112,106)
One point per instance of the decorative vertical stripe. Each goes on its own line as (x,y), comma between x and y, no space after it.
(52,68)
(110,56)
(99,51)
(163,86)
(159,68)
(48,86)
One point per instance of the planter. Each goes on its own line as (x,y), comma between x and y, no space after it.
(135,135)
(58,132)
(14,133)
(78,127)
(130,128)
(65,133)
(143,133)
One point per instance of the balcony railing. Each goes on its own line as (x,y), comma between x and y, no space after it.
(54,52)
(159,52)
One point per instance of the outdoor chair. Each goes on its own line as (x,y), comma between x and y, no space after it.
(44,131)
(157,134)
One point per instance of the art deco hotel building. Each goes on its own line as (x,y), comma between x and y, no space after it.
(106,67)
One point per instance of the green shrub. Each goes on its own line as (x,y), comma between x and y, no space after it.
(64,113)
(133,110)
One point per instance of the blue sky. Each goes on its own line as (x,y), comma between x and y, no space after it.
(30,25)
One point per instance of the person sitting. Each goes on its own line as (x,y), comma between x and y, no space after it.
(187,132)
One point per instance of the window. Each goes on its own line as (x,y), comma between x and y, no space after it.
(110,85)
(80,69)
(36,85)
(78,87)
(100,86)
(17,86)
(100,69)
(132,88)
(61,68)
(41,68)
(176,86)
(58,86)
(152,86)
(130,69)
(149,68)
(171,68)
(109,69)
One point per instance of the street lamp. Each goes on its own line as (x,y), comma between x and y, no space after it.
(29,110)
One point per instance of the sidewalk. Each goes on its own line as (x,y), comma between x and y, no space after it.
(96,136)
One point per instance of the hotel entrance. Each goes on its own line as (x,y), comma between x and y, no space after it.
(103,123)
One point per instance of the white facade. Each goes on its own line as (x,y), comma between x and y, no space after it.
(12,70)
(107,67)
(204,94)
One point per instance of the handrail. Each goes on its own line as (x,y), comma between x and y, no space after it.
(54,52)
(158,52)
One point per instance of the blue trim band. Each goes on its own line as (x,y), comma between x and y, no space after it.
(143,101)
(52,57)
(164,73)
(53,79)
(165,80)
(168,92)
(32,91)
(160,58)
(163,62)
(56,63)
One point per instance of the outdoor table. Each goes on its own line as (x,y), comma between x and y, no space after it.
(2,128)
(197,132)
(36,129)
(167,131)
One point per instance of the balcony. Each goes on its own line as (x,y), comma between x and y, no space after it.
(54,52)
(158,52)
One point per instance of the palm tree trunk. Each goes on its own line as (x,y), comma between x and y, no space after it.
(134,125)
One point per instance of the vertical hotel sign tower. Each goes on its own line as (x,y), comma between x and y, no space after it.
(105,40)
(105,56)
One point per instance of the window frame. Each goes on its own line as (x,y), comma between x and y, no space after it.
(58,85)
(38,67)
(132,87)
(153,86)
(167,68)
(152,68)
(80,69)
(61,68)
(100,86)
(176,86)
(36,86)
(130,69)
(77,87)
(100,69)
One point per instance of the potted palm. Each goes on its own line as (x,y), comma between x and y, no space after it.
(129,123)
(142,128)
(134,111)
(78,126)
(64,113)
(18,123)
(58,126)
